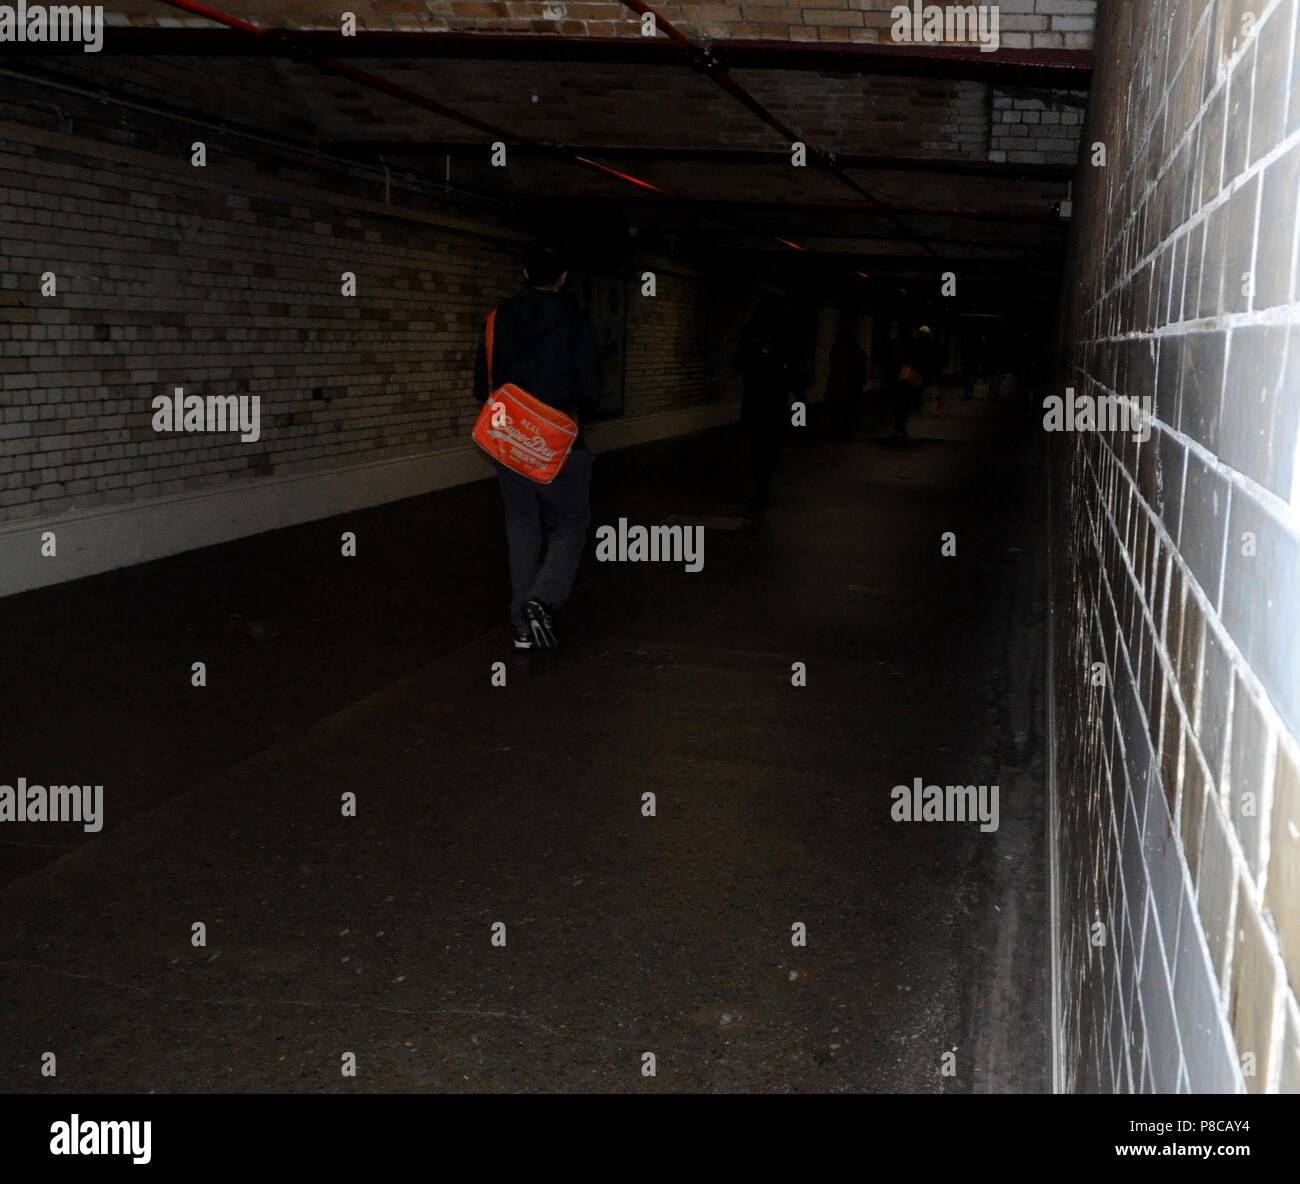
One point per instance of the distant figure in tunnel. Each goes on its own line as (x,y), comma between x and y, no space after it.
(545,344)
(846,376)
(766,362)
(905,387)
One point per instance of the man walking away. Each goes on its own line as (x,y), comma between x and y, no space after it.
(545,344)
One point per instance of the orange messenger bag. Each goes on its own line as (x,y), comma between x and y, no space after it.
(523,433)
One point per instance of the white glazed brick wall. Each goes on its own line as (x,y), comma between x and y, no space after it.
(1178,782)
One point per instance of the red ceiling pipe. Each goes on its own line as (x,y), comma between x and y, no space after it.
(223,18)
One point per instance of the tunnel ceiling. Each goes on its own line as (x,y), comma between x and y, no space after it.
(926,173)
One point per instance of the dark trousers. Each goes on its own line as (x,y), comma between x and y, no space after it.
(546,530)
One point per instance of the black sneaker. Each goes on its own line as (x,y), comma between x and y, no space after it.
(539,621)
(523,641)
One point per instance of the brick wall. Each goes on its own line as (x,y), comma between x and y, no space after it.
(1030,130)
(1047,24)
(1177,562)
(1044,24)
(225,282)
(672,359)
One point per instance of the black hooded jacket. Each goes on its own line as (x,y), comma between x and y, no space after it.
(545,344)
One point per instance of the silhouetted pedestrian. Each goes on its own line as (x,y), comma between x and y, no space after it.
(766,361)
(905,387)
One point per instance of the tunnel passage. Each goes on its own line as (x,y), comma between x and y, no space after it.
(960,758)
(525,805)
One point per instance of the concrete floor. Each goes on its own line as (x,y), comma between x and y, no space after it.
(475,804)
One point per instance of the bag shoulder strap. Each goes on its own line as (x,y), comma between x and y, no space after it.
(491,334)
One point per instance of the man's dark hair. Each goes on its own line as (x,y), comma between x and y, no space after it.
(544,265)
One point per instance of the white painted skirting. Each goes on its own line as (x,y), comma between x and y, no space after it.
(109,537)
